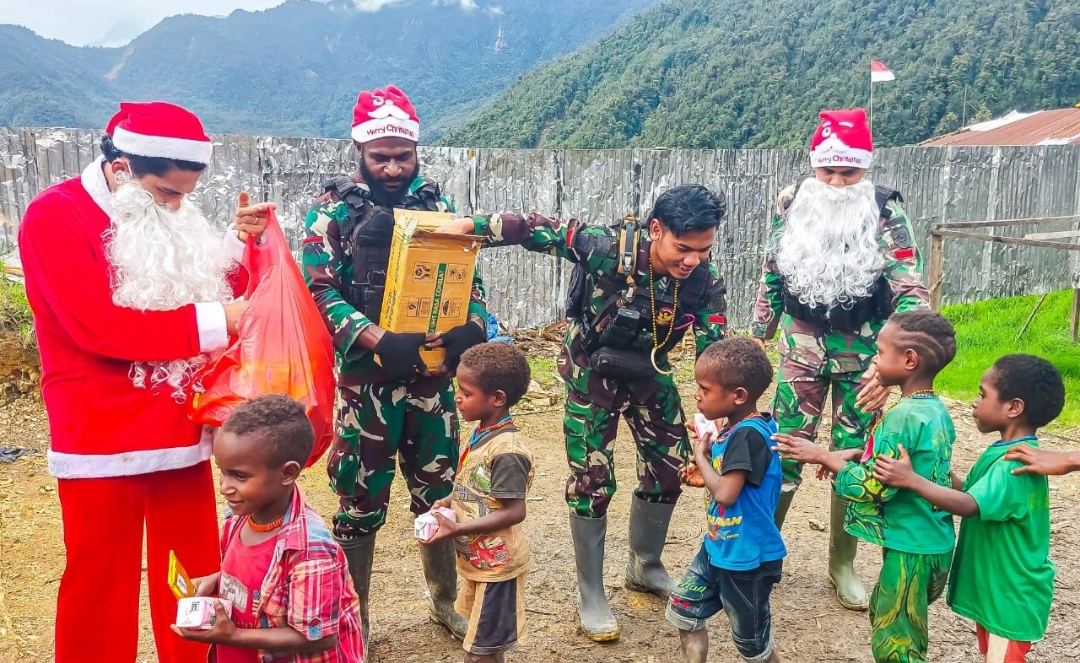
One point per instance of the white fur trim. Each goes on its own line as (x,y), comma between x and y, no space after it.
(213,327)
(130,463)
(180,149)
(833,152)
(385,128)
(93,180)
(233,245)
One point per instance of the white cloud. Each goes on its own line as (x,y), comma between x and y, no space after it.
(494,10)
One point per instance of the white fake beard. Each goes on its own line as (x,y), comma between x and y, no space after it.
(827,249)
(163,260)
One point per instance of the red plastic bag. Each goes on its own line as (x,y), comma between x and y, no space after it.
(282,345)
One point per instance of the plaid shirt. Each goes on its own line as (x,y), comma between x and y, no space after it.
(307,588)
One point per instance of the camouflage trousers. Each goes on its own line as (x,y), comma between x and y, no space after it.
(815,365)
(907,585)
(379,424)
(653,410)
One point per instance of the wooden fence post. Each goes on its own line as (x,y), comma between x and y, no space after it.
(936,274)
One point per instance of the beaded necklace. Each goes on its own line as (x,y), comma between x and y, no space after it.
(268,527)
(671,326)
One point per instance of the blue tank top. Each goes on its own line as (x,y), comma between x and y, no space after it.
(743,536)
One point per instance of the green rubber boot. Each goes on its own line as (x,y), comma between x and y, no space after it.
(648,530)
(597,621)
(786,496)
(359,554)
(842,548)
(440,571)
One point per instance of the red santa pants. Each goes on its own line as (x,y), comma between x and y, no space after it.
(97,612)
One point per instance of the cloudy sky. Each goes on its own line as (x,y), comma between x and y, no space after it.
(114,22)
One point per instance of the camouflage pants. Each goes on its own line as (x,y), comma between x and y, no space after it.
(907,585)
(814,365)
(378,424)
(653,410)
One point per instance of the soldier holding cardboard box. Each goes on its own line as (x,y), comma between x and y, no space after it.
(389,404)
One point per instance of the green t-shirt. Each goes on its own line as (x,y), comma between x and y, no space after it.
(1002,576)
(897,518)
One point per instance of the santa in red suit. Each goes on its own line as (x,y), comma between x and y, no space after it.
(131,289)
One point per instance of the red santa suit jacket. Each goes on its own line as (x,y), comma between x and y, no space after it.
(100,424)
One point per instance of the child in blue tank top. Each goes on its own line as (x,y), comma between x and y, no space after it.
(742,554)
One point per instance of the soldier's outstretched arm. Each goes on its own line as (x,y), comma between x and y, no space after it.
(321,262)
(710,323)
(571,240)
(903,262)
(769,302)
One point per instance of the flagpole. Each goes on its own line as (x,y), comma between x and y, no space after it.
(871,98)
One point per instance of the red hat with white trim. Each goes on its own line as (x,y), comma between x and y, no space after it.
(159,129)
(384,113)
(842,140)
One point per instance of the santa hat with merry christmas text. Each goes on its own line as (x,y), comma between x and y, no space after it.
(159,129)
(842,140)
(384,113)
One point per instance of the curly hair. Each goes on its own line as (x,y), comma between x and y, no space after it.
(738,362)
(1032,380)
(498,366)
(279,423)
(929,334)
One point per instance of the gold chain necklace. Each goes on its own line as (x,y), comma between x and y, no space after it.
(655,329)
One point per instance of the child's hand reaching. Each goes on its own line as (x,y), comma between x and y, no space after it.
(444,503)
(690,475)
(896,472)
(447,528)
(206,585)
(848,456)
(221,633)
(798,449)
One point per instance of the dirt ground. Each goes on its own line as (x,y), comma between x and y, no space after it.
(809,625)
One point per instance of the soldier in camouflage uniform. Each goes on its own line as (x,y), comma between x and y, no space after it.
(389,407)
(841,259)
(634,294)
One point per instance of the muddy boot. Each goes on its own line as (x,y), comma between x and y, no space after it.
(786,496)
(597,622)
(842,547)
(440,571)
(694,645)
(360,553)
(648,533)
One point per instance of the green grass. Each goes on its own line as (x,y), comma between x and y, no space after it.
(546,372)
(987,330)
(15,317)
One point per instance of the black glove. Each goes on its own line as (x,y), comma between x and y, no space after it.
(399,354)
(458,340)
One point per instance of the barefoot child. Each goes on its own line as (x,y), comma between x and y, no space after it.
(293,599)
(916,538)
(493,479)
(1002,576)
(741,557)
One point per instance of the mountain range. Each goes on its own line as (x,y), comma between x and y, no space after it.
(296,69)
(755,73)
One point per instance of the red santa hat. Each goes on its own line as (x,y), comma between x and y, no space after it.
(384,113)
(842,140)
(158,129)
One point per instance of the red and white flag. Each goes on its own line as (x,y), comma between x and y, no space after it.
(879,73)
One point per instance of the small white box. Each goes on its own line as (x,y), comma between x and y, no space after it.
(704,426)
(425,525)
(198,612)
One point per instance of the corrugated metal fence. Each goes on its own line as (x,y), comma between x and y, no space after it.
(527,290)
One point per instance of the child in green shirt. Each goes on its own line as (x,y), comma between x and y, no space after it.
(1002,576)
(916,537)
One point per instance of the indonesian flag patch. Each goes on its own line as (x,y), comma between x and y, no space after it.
(717,320)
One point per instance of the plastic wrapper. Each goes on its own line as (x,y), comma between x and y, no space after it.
(282,345)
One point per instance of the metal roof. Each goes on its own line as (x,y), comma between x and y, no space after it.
(1051,127)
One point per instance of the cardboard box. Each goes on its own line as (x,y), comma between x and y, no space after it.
(429,278)
(198,612)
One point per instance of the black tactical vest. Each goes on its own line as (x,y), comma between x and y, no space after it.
(366,235)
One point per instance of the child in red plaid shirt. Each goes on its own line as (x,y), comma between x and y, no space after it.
(293,599)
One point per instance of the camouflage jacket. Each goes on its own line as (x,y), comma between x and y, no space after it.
(327,264)
(903,269)
(553,237)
